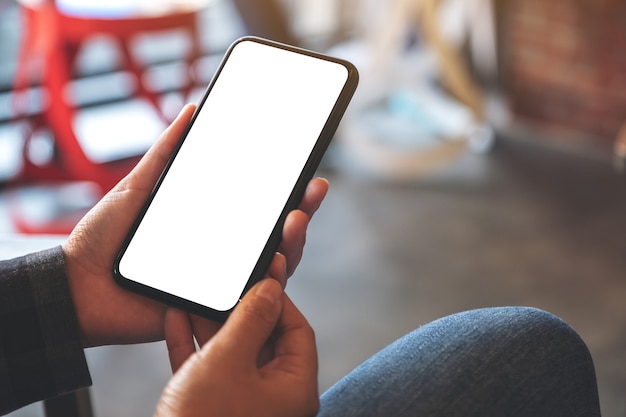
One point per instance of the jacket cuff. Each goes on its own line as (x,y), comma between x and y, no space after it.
(42,353)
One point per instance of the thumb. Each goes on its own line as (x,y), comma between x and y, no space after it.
(253,320)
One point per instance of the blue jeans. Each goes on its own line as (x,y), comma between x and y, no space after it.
(510,361)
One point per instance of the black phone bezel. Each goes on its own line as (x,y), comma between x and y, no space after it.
(292,203)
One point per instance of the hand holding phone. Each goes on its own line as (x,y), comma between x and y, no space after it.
(214,220)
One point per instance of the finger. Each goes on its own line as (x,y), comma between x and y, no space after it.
(116,220)
(297,221)
(266,354)
(314,194)
(204,329)
(294,239)
(252,322)
(178,337)
(149,168)
(295,345)
(278,269)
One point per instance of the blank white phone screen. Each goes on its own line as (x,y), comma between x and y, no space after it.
(203,233)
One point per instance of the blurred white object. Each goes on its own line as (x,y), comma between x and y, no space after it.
(118,130)
(10,148)
(472,20)
(119,8)
(402,124)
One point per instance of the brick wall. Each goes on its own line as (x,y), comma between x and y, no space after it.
(564,65)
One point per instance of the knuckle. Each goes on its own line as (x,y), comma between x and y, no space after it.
(260,311)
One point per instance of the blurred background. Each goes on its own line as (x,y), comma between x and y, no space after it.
(480,162)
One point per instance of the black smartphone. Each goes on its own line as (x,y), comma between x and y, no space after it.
(214,220)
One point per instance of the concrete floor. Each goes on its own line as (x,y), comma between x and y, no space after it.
(521,226)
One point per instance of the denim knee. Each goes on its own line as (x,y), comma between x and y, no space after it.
(513,361)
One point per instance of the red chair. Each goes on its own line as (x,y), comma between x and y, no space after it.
(51,42)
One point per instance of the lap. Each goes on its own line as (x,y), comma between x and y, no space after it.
(511,361)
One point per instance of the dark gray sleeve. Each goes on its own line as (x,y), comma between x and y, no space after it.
(41,353)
